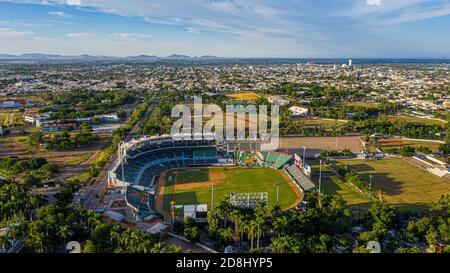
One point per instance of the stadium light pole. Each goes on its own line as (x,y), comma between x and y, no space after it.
(277,184)
(304,154)
(320,176)
(123,173)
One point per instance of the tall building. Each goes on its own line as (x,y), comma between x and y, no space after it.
(350,62)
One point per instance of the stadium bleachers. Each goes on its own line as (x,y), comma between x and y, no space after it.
(263,159)
(301,179)
(143,168)
(140,201)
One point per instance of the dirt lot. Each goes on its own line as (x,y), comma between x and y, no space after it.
(314,145)
(70,162)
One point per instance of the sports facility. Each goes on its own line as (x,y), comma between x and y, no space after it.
(400,182)
(161,175)
(197,186)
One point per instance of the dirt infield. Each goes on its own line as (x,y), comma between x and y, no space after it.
(160,190)
(214,178)
(314,145)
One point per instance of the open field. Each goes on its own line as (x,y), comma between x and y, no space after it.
(11,117)
(368,105)
(314,145)
(226,181)
(322,122)
(426,121)
(71,162)
(331,184)
(401,183)
(244,96)
(396,143)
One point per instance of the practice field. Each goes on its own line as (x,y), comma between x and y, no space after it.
(401,183)
(314,145)
(244,96)
(331,184)
(426,121)
(193,186)
(397,143)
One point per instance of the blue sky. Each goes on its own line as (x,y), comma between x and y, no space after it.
(230,28)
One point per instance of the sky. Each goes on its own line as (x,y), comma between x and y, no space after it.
(228,28)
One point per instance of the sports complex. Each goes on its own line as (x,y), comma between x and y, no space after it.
(162,176)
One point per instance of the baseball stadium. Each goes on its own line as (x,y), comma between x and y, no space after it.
(166,177)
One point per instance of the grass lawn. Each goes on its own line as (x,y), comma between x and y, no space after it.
(426,121)
(368,105)
(192,175)
(235,180)
(243,96)
(395,143)
(401,183)
(334,185)
(322,122)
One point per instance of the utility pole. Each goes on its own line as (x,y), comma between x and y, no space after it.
(172,208)
(304,154)
(212,196)
(370,186)
(320,176)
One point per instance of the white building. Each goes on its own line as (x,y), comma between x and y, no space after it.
(298,110)
(35,119)
(278,100)
(108,117)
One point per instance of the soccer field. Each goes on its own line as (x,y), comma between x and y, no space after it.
(193,186)
(401,183)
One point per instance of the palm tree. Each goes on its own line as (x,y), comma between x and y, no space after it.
(64,233)
(5,244)
(251,231)
(158,248)
(238,219)
(259,230)
(116,234)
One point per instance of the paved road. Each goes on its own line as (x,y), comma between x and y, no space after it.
(90,194)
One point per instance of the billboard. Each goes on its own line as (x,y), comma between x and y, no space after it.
(307,170)
(298,161)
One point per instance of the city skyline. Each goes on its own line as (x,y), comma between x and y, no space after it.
(324,29)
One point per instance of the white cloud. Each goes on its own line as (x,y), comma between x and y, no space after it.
(129,35)
(81,35)
(74,2)
(373,2)
(192,30)
(58,13)
(12,33)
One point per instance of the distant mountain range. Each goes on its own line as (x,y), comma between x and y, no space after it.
(174,58)
(86,57)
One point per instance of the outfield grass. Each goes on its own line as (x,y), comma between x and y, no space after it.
(401,183)
(235,180)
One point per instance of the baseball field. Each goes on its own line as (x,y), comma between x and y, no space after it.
(194,186)
(401,183)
